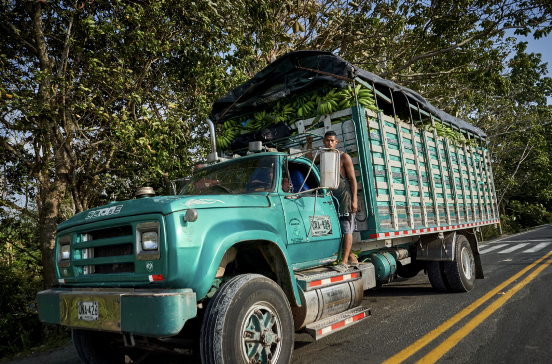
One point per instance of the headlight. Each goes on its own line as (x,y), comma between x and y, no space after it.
(65,251)
(149,240)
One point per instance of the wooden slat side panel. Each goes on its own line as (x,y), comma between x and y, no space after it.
(416,173)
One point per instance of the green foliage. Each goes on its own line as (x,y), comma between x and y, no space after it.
(20,280)
(99,99)
(523,215)
(518,121)
(19,324)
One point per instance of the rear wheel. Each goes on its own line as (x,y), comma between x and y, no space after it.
(461,271)
(96,347)
(248,321)
(437,276)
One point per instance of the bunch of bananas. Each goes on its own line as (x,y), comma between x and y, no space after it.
(258,122)
(311,104)
(364,97)
(308,107)
(231,129)
(329,102)
(284,111)
(444,131)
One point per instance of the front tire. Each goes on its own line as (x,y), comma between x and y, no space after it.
(247,321)
(96,347)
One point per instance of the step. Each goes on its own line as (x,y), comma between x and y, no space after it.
(328,326)
(325,276)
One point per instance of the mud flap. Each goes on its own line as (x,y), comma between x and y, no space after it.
(474,244)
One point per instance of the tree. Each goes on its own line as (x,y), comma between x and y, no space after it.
(88,105)
(433,47)
(519,124)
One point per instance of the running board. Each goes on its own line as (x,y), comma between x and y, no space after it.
(324,277)
(328,326)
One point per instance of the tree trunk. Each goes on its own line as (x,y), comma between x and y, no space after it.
(48,224)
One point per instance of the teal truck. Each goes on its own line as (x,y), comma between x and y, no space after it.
(239,259)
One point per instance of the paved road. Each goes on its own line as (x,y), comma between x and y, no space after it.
(411,323)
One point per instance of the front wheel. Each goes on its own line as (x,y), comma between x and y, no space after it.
(248,321)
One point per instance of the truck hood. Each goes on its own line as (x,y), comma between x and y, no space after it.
(164,205)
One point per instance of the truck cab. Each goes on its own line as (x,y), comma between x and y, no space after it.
(129,266)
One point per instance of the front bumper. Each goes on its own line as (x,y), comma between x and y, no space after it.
(157,313)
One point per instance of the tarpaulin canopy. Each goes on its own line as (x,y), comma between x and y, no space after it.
(288,75)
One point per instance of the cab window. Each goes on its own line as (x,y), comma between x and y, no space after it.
(300,178)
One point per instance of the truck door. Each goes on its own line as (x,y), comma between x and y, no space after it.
(320,223)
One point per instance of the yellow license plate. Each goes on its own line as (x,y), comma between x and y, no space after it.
(91,310)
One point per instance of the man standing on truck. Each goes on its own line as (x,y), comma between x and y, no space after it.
(346,195)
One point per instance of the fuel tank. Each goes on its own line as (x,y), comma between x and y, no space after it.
(321,303)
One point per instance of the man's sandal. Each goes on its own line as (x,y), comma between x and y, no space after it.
(341,268)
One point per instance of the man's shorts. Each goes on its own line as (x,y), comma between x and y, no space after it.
(348,224)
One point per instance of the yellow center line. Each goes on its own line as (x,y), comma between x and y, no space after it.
(412,349)
(449,343)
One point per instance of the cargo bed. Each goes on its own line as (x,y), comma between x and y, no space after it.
(400,193)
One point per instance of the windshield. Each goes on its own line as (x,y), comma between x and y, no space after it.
(245,176)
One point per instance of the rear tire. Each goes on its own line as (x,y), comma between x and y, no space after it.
(461,271)
(437,276)
(97,347)
(248,320)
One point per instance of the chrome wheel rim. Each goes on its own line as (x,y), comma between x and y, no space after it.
(261,330)
(466,263)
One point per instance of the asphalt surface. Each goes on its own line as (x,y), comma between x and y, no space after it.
(512,325)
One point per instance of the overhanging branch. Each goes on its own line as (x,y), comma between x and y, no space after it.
(10,28)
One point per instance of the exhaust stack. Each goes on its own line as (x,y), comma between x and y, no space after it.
(213,156)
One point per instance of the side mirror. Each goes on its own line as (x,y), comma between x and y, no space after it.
(329,170)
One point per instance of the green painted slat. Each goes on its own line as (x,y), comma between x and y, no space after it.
(405,179)
(365,161)
(386,160)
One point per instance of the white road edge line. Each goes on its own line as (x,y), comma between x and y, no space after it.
(509,236)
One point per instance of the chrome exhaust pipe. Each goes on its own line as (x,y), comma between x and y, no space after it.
(213,156)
